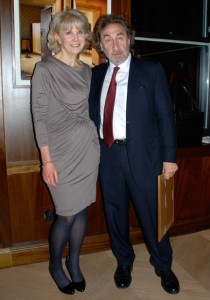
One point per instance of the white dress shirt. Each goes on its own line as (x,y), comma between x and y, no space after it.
(119,114)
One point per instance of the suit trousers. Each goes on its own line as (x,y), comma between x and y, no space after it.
(119,189)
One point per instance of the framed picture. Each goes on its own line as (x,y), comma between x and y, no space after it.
(30,28)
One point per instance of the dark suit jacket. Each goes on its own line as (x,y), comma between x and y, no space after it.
(150,128)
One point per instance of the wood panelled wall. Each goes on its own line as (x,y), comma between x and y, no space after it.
(5,228)
(24,197)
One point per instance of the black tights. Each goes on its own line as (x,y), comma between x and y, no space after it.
(67,229)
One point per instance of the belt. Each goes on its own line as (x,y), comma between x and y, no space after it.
(120,142)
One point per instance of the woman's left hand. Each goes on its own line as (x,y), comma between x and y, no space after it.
(49,174)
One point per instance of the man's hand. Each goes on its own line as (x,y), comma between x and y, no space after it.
(169,169)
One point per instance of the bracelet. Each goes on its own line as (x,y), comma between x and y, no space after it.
(47,162)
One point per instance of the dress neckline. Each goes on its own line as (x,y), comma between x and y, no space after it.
(75,68)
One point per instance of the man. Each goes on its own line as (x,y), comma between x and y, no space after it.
(144,146)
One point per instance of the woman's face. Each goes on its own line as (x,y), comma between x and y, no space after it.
(71,40)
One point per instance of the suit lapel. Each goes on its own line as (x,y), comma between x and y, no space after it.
(100,78)
(135,79)
(98,84)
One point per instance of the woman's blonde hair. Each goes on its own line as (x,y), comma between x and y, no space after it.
(64,21)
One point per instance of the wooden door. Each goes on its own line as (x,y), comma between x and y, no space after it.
(46,16)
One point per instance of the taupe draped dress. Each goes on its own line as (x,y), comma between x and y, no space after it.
(61,121)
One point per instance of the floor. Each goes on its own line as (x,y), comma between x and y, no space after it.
(191,265)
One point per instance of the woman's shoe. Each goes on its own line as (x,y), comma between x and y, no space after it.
(69,289)
(79,286)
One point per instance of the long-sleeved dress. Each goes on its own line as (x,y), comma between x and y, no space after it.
(61,121)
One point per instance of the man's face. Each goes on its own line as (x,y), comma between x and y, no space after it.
(115,43)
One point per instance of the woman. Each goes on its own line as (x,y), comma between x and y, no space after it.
(67,140)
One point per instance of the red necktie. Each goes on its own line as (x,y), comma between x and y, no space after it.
(108,110)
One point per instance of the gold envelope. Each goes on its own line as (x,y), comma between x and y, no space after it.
(165,205)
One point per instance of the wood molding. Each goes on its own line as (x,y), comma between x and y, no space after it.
(29,253)
(5,258)
(22,167)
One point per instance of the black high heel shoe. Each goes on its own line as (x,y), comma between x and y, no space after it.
(79,286)
(68,289)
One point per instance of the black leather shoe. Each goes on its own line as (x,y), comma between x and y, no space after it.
(169,281)
(69,289)
(122,276)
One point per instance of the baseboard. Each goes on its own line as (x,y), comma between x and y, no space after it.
(5,258)
(29,253)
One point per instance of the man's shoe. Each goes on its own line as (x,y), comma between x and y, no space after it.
(122,276)
(169,281)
